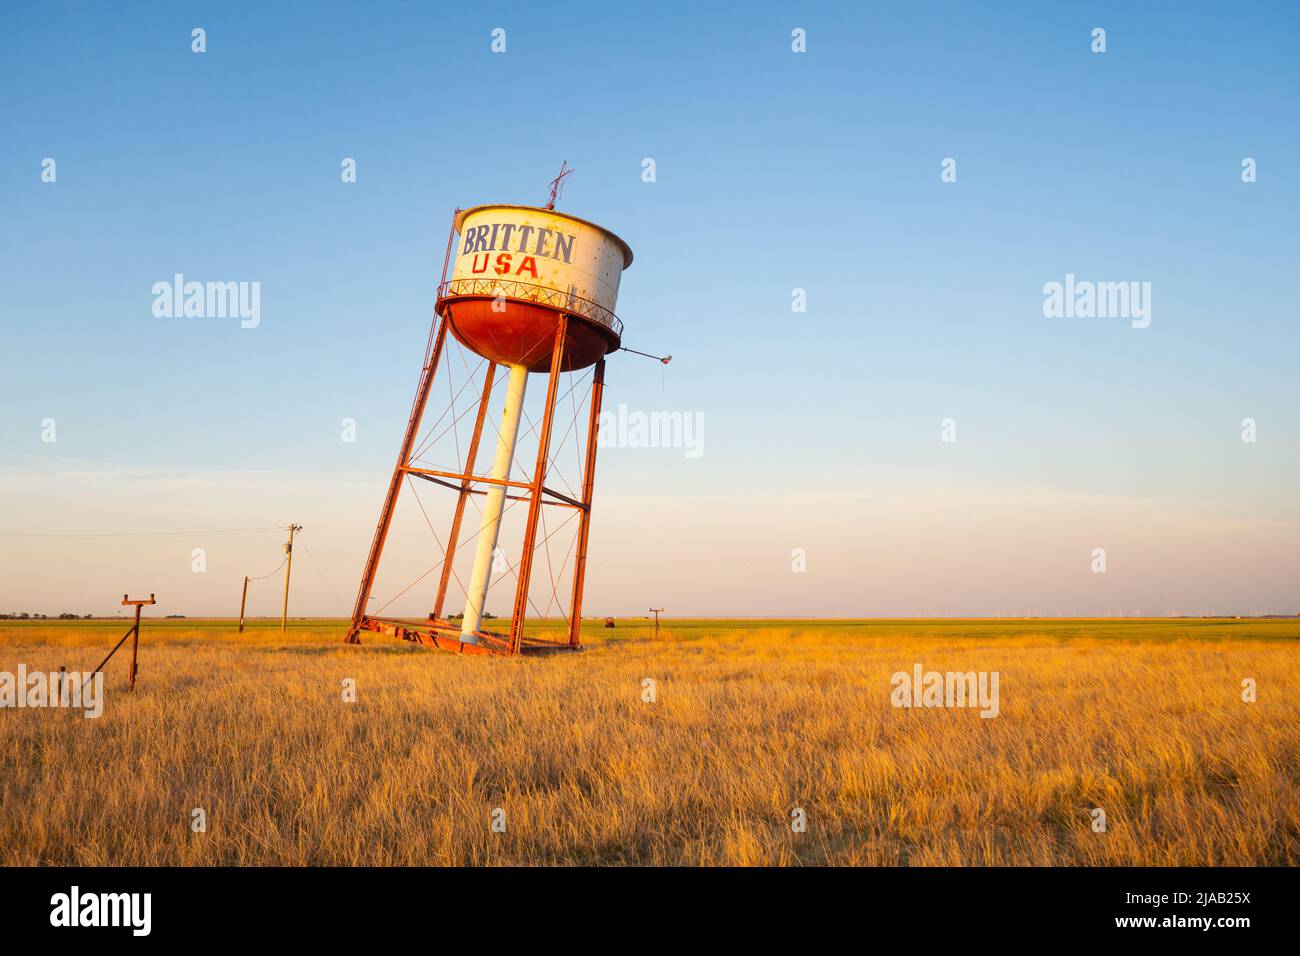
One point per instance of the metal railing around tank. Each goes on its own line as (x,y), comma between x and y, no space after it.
(528,292)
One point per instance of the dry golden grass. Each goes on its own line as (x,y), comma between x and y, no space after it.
(1143,719)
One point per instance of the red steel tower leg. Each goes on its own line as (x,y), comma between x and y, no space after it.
(394,486)
(535,498)
(465,489)
(584,518)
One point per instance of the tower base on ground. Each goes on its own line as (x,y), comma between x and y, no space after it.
(446,636)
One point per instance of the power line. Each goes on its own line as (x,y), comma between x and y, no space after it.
(314,564)
(269,573)
(131,534)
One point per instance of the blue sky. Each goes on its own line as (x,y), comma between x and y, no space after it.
(775,171)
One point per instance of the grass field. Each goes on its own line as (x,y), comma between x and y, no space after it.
(751,719)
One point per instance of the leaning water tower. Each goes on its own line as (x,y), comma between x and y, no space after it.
(531,293)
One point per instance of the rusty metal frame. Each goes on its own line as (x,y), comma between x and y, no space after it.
(465,490)
(584,520)
(525,568)
(395,484)
(134,633)
(432,355)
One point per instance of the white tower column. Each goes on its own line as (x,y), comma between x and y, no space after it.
(494,504)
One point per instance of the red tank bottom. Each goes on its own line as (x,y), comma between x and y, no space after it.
(524,334)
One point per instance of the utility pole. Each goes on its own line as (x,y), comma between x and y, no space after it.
(242,602)
(655,611)
(288,567)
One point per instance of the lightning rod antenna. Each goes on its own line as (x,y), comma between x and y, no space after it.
(658,358)
(557,184)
